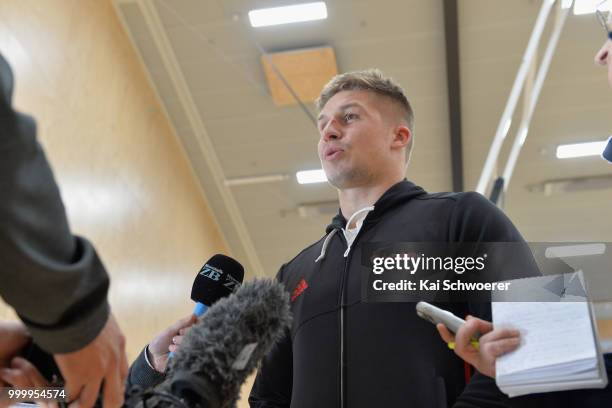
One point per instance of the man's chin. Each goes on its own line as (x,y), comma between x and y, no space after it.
(334,182)
(343,181)
(337,180)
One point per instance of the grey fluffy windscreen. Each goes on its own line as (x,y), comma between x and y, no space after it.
(258,312)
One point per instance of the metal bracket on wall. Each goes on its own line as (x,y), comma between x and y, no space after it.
(532,94)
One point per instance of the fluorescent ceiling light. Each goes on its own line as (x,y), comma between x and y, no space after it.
(566,3)
(311,176)
(288,14)
(588,6)
(580,149)
(575,250)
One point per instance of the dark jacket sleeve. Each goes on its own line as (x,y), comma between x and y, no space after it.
(482,392)
(477,220)
(142,374)
(273,384)
(54,280)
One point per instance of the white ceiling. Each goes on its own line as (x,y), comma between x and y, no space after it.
(230,128)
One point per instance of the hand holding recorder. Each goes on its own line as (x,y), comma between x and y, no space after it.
(474,340)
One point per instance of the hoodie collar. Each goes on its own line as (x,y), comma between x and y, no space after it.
(397,194)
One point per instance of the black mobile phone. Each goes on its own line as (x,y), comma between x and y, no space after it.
(44,362)
(46,365)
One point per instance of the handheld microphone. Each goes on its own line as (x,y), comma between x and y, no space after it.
(219,277)
(223,348)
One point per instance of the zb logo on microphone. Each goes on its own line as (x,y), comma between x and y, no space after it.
(211,272)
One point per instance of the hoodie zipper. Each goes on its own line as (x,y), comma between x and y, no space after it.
(343,288)
(342,313)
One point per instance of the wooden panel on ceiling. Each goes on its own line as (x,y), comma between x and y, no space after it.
(306,70)
(604,327)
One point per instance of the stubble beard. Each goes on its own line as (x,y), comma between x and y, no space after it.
(347,178)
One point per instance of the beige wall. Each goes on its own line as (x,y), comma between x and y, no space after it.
(123,175)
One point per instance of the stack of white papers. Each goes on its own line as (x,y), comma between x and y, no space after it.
(559,346)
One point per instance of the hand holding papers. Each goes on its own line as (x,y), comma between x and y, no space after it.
(559,348)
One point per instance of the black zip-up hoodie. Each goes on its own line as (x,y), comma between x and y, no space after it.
(342,352)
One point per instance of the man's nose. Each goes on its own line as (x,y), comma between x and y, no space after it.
(331,131)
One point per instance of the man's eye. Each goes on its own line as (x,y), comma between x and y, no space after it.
(350,116)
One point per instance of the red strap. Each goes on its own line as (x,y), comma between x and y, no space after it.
(467,372)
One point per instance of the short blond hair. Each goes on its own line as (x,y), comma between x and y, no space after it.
(372,80)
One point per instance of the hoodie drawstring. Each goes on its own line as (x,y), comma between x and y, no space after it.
(349,241)
(333,232)
(325,244)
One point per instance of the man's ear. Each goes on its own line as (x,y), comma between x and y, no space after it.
(603,55)
(401,136)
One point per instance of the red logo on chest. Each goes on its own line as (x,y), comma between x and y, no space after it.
(297,291)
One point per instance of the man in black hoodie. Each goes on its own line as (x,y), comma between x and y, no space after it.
(342,351)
